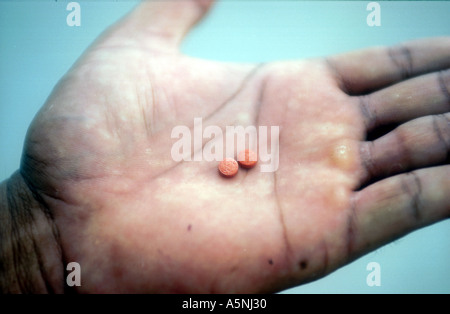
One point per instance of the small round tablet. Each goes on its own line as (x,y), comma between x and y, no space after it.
(228,167)
(247,158)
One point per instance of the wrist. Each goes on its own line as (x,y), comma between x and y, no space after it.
(30,254)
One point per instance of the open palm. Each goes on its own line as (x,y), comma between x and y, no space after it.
(99,156)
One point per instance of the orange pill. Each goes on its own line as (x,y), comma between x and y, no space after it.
(228,167)
(247,158)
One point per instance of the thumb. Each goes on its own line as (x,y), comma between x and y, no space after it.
(163,23)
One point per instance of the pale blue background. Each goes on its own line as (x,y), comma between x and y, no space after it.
(37,47)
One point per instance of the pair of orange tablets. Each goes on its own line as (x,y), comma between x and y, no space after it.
(229,166)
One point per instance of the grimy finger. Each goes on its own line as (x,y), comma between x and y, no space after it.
(370,69)
(424,95)
(419,143)
(391,208)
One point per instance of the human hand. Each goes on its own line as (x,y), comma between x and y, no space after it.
(98,157)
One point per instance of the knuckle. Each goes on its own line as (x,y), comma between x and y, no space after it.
(441,127)
(367,159)
(369,116)
(400,56)
(412,186)
(444,84)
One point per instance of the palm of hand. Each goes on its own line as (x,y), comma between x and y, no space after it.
(136,220)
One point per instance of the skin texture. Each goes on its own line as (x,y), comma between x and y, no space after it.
(97,161)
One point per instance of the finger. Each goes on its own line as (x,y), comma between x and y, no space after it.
(395,206)
(419,143)
(370,69)
(162,24)
(425,95)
